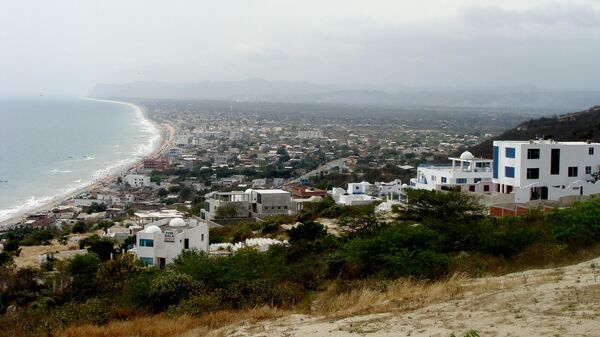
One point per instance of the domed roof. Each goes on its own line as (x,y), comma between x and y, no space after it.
(152,229)
(467,156)
(177,222)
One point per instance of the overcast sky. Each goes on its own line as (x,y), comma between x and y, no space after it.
(65,47)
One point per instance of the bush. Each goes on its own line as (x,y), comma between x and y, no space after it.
(169,288)
(578,225)
(398,251)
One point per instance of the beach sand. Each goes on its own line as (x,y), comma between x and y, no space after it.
(167,139)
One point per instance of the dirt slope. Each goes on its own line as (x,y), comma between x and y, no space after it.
(550,302)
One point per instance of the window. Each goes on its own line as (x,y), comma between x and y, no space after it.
(471,188)
(148,261)
(461,180)
(432,178)
(146,243)
(588,170)
(486,188)
(476,180)
(533,153)
(495,162)
(555,161)
(444,180)
(510,152)
(572,171)
(591,150)
(186,242)
(533,173)
(509,171)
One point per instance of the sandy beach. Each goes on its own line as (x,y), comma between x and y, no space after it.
(167,139)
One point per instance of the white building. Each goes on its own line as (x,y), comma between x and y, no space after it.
(348,198)
(310,134)
(545,169)
(137,180)
(466,173)
(162,241)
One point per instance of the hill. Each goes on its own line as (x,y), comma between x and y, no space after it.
(544,302)
(578,126)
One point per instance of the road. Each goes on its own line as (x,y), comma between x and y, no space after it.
(323,168)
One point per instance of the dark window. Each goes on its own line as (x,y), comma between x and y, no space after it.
(588,170)
(471,188)
(186,243)
(146,243)
(486,188)
(533,153)
(591,150)
(510,152)
(476,180)
(495,157)
(533,173)
(259,198)
(461,180)
(444,180)
(572,171)
(555,161)
(509,171)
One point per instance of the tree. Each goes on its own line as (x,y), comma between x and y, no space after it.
(102,247)
(226,211)
(308,231)
(441,206)
(83,270)
(38,237)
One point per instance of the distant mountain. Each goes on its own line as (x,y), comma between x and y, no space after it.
(257,89)
(578,126)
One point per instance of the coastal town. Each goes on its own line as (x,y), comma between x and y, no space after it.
(218,168)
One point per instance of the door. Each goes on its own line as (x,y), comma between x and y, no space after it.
(544,193)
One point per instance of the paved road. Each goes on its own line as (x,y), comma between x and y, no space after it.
(323,168)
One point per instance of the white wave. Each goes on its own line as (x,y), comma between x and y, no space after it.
(77,181)
(60,171)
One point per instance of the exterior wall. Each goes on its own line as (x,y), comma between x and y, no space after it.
(174,244)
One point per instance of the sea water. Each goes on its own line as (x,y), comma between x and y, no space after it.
(52,147)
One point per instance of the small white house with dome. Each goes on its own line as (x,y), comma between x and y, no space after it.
(162,241)
(465,173)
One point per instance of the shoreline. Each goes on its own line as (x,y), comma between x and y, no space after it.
(166,134)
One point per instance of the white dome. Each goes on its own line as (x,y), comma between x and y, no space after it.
(152,229)
(467,156)
(177,222)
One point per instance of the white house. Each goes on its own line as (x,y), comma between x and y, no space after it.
(466,173)
(545,169)
(137,180)
(162,241)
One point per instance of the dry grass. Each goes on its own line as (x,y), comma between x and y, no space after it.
(163,326)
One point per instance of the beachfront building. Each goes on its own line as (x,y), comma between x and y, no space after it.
(137,180)
(146,217)
(465,173)
(246,204)
(162,241)
(545,169)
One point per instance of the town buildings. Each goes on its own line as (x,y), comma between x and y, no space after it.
(246,204)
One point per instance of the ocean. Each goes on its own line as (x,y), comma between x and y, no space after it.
(52,147)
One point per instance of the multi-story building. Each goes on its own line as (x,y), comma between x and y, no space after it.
(137,180)
(156,164)
(247,204)
(162,241)
(545,169)
(466,173)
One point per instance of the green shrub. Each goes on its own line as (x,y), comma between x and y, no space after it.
(169,288)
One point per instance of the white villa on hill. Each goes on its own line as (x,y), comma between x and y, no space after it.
(545,169)
(466,173)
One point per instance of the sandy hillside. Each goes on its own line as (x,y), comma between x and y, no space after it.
(551,302)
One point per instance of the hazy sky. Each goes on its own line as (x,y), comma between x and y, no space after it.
(65,47)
